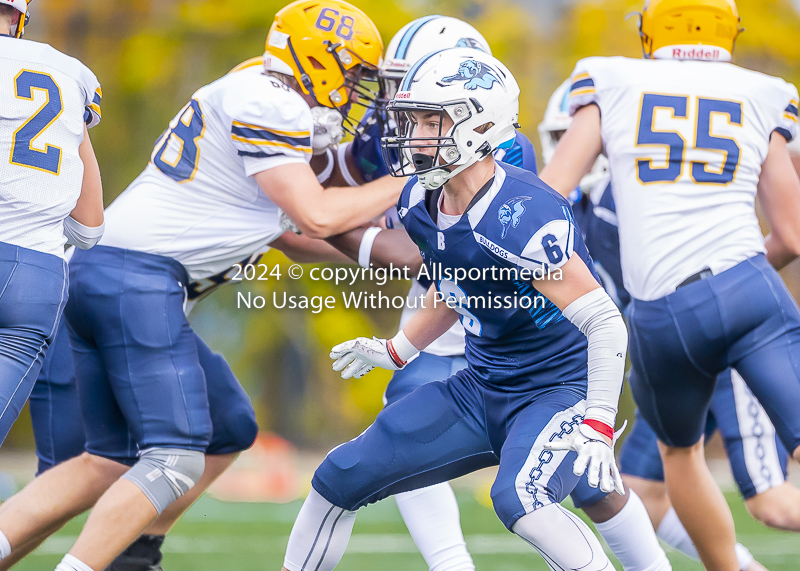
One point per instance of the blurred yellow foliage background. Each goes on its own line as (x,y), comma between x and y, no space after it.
(150,55)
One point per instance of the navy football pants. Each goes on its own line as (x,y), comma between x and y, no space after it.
(33,291)
(58,423)
(742,318)
(136,359)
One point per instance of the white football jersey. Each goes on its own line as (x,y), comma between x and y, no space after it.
(197,200)
(46,97)
(685,141)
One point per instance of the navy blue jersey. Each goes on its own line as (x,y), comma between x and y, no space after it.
(596,216)
(516,337)
(520,154)
(368,160)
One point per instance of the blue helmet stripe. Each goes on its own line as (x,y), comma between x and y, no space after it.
(402,48)
(409,77)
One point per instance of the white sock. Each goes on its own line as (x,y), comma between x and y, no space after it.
(672,532)
(565,542)
(432,518)
(319,536)
(743,556)
(631,537)
(70,563)
(5,546)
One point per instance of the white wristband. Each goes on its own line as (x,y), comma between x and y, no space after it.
(341,154)
(403,347)
(84,237)
(365,249)
(326,173)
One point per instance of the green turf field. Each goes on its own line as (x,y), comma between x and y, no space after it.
(248,537)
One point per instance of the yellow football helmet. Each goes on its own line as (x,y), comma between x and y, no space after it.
(688,22)
(319,42)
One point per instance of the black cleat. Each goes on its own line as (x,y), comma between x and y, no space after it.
(144,554)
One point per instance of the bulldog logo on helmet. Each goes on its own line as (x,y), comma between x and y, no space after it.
(476,74)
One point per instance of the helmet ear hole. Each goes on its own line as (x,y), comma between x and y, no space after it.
(315,63)
(481,129)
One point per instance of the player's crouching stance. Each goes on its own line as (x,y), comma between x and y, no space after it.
(48,196)
(522,402)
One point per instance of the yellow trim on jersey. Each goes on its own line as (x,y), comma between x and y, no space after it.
(581,76)
(295,134)
(99,92)
(96,108)
(791,117)
(266,143)
(584,91)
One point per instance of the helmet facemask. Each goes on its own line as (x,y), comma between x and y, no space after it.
(432,170)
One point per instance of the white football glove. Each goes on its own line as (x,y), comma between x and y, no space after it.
(328,131)
(596,454)
(286,223)
(359,356)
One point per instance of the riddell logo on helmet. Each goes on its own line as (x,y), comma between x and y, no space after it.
(696,53)
(403,95)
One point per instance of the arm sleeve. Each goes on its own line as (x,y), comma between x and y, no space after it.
(269,128)
(599,319)
(582,90)
(788,123)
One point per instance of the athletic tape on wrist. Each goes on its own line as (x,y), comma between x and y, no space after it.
(365,248)
(399,363)
(600,427)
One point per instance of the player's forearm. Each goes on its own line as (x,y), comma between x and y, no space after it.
(381,248)
(576,152)
(89,208)
(596,316)
(430,322)
(779,196)
(338,210)
(305,250)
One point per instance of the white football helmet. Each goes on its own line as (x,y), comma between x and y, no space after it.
(477,92)
(555,123)
(22,7)
(421,37)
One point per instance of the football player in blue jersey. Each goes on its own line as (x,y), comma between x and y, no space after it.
(705,293)
(431,514)
(522,401)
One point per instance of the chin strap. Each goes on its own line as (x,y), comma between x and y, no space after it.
(434,179)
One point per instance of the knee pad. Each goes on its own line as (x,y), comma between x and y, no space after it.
(165,474)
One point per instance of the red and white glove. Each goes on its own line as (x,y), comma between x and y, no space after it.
(594,442)
(358,357)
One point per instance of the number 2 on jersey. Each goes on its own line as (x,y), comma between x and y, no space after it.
(176,153)
(678,106)
(22,151)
